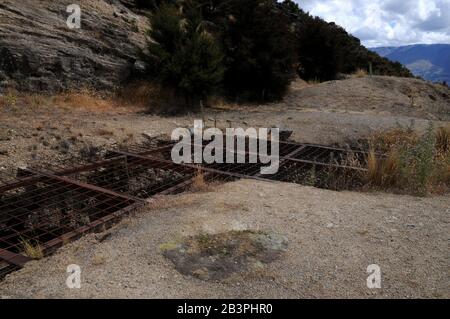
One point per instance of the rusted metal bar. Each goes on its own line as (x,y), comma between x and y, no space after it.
(28,180)
(284,159)
(77,233)
(13,258)
(326,164)
(182,185)
(195,167)
(87,186)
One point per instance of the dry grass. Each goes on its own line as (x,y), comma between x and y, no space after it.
(443,140)
(314,82)
(142,94)
(338,179)
(85,98)
(98,259)
(385,141)
(199,184)
(34,100)
(104,132)
(385,172)
(72,99)
(166,202)
(413,163)
(32,251)
(133,97)
(9,99)
(359,73)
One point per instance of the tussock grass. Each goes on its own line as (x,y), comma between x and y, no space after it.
(199,183)
(9,99)
(143,94)
(98,259)
(86,98)
(314,81)
(137,95)
(360,73)
(32,251)
(413,163)
(105,132)
(443,140)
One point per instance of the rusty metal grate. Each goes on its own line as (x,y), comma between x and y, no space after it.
(43,212)
(49,205)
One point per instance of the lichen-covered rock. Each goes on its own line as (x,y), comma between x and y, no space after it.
(39,52)
(219,256)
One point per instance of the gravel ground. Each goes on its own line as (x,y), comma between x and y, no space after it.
(332,238)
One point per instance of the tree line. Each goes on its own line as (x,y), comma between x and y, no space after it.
(247,50)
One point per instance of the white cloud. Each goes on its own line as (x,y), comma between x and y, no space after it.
(387,22)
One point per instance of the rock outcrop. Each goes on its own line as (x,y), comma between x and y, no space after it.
(39,52)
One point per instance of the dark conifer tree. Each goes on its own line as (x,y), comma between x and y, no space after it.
(183,55)
(259,49)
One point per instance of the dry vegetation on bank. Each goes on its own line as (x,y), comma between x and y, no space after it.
(413,163)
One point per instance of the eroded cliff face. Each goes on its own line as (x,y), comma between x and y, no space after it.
(39,52)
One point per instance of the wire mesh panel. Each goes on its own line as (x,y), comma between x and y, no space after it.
(135,176)
(45,206)
(40,213)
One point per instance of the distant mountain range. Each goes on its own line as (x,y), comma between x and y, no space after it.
(429,61)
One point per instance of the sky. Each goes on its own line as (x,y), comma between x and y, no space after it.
(387,22)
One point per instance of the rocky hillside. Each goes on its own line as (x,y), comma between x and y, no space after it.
(39,52)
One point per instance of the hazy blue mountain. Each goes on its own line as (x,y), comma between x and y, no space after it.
(430,61)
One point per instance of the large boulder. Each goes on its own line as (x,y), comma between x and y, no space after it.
(39,52)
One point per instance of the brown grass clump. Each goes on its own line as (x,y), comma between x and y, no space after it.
(360,73)
(142,94)
(98,259)
(34,100)
(104,132)
(443,140)
(32,251)
(385,141)
(9,99)
(86,98)
(172,201)
(133,97)
(314,82)
(339,179)
(412,163)
(199,183)
(383,172)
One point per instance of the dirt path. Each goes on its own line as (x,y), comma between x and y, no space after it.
(332,238)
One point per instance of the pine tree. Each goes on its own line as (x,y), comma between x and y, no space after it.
(184,56)
(259,49)
(326,49)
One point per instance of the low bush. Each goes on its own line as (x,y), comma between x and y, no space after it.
(411,162)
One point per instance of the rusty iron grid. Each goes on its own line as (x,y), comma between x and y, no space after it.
(49,205)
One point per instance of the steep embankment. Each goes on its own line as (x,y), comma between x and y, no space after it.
(38,52)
